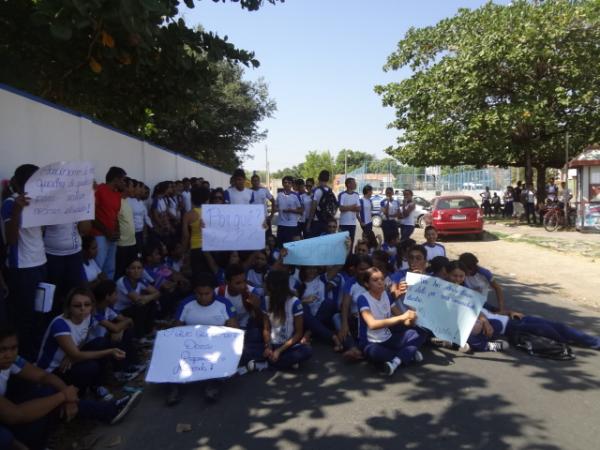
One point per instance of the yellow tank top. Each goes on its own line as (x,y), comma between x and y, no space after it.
(196,231)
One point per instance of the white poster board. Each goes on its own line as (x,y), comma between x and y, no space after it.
(61,192)
(195,353)
(447,309)
(233,227)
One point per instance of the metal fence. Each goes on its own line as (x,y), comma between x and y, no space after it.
(463,180)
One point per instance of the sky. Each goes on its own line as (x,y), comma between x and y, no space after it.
(321,60)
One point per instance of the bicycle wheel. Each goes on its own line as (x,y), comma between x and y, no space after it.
(551,221)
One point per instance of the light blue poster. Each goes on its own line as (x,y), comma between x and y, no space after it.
(447,309)
(328,250)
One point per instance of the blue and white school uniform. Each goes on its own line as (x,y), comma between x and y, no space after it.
(14,369)
(389,225)
(347,219)
(282,331)
(124,288)
(63,252)
(366,213)
(234,197)
(391,250)
(51,354)
(217,313)
(237,301)
(91,270)
(256,280)
(260,197)
(97,331)
(480,282)
(383,345)
(287,225)
(306,200)
(434,250)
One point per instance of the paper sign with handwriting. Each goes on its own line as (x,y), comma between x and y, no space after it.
(233,227)
(195,353)
(328,250)
(447,309)
(61,192)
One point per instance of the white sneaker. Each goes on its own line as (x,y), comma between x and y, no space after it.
(418,356)
(103,394)
(464,348)
(497,346)
(257,366)
(391,366)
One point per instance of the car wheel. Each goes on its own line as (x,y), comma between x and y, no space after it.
(421,221)
(377,221)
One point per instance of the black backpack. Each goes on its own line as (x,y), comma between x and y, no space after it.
(328,205)
(541,347)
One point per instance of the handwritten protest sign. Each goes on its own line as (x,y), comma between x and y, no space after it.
(195,353)
(233,227)
(447,309)
(61,192)
(327,250)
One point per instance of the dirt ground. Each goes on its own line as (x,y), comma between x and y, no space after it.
(574,277)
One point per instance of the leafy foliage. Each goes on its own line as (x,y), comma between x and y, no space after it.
(134,65)
(499,85)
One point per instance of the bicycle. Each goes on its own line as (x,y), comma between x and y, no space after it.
(555,217)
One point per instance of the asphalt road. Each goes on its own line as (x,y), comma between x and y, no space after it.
(450,401)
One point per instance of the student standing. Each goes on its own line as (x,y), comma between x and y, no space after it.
(106,224)
(407,215)
(290,209)
(389,212)
(350,207)
(260,196)
(238,193)
(26,262)
(126,245)
(316,222)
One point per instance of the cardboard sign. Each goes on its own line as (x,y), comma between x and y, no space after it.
(328,250)
(447,309)
(233,227)
(61,192)
(195,353)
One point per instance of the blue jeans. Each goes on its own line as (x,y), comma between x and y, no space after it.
(318,324)
(403,344)
(286,234)
(66,272)
(406,231)
(551,330)
(293,355)
(107,253)
(389,229)
(22,287)
(478,342)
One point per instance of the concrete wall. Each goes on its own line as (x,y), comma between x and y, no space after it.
(37,132)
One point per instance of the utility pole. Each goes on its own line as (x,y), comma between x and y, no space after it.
(565,197)
(267,168)
(345,165)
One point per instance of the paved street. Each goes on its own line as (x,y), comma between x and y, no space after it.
(451,401)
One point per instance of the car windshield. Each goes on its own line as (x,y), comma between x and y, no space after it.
(455,203)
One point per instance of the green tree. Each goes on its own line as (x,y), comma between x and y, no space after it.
(499,85)
(352,159)
(316,161)
(135,65)
(295,172)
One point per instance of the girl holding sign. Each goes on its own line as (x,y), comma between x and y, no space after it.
(283,324)
(378,315)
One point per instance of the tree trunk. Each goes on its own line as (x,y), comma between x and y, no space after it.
(541,184)
(528,167)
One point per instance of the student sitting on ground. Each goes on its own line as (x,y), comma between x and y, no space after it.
(482,280)
(63,351)
(319,309)
(283,324)
(203,307)
(137,299)
(385,333)
(431,245)
(438,267)
(93,273)
(482,335)
(27,414)
(256,274)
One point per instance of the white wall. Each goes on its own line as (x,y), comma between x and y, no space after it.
(36,132)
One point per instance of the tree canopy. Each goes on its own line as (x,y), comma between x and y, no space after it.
(136,66)
(499,85)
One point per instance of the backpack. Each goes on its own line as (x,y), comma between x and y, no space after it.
(541,347)
(328,205)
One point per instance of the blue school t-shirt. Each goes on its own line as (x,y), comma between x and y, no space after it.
(97,330)
(51,354)
(5,374)
(354,289)
(282,331)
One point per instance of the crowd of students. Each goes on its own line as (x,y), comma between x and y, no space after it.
(140,265)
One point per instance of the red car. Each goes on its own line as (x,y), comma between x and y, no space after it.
(456,214)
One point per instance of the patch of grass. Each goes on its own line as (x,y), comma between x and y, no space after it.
(577,247)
